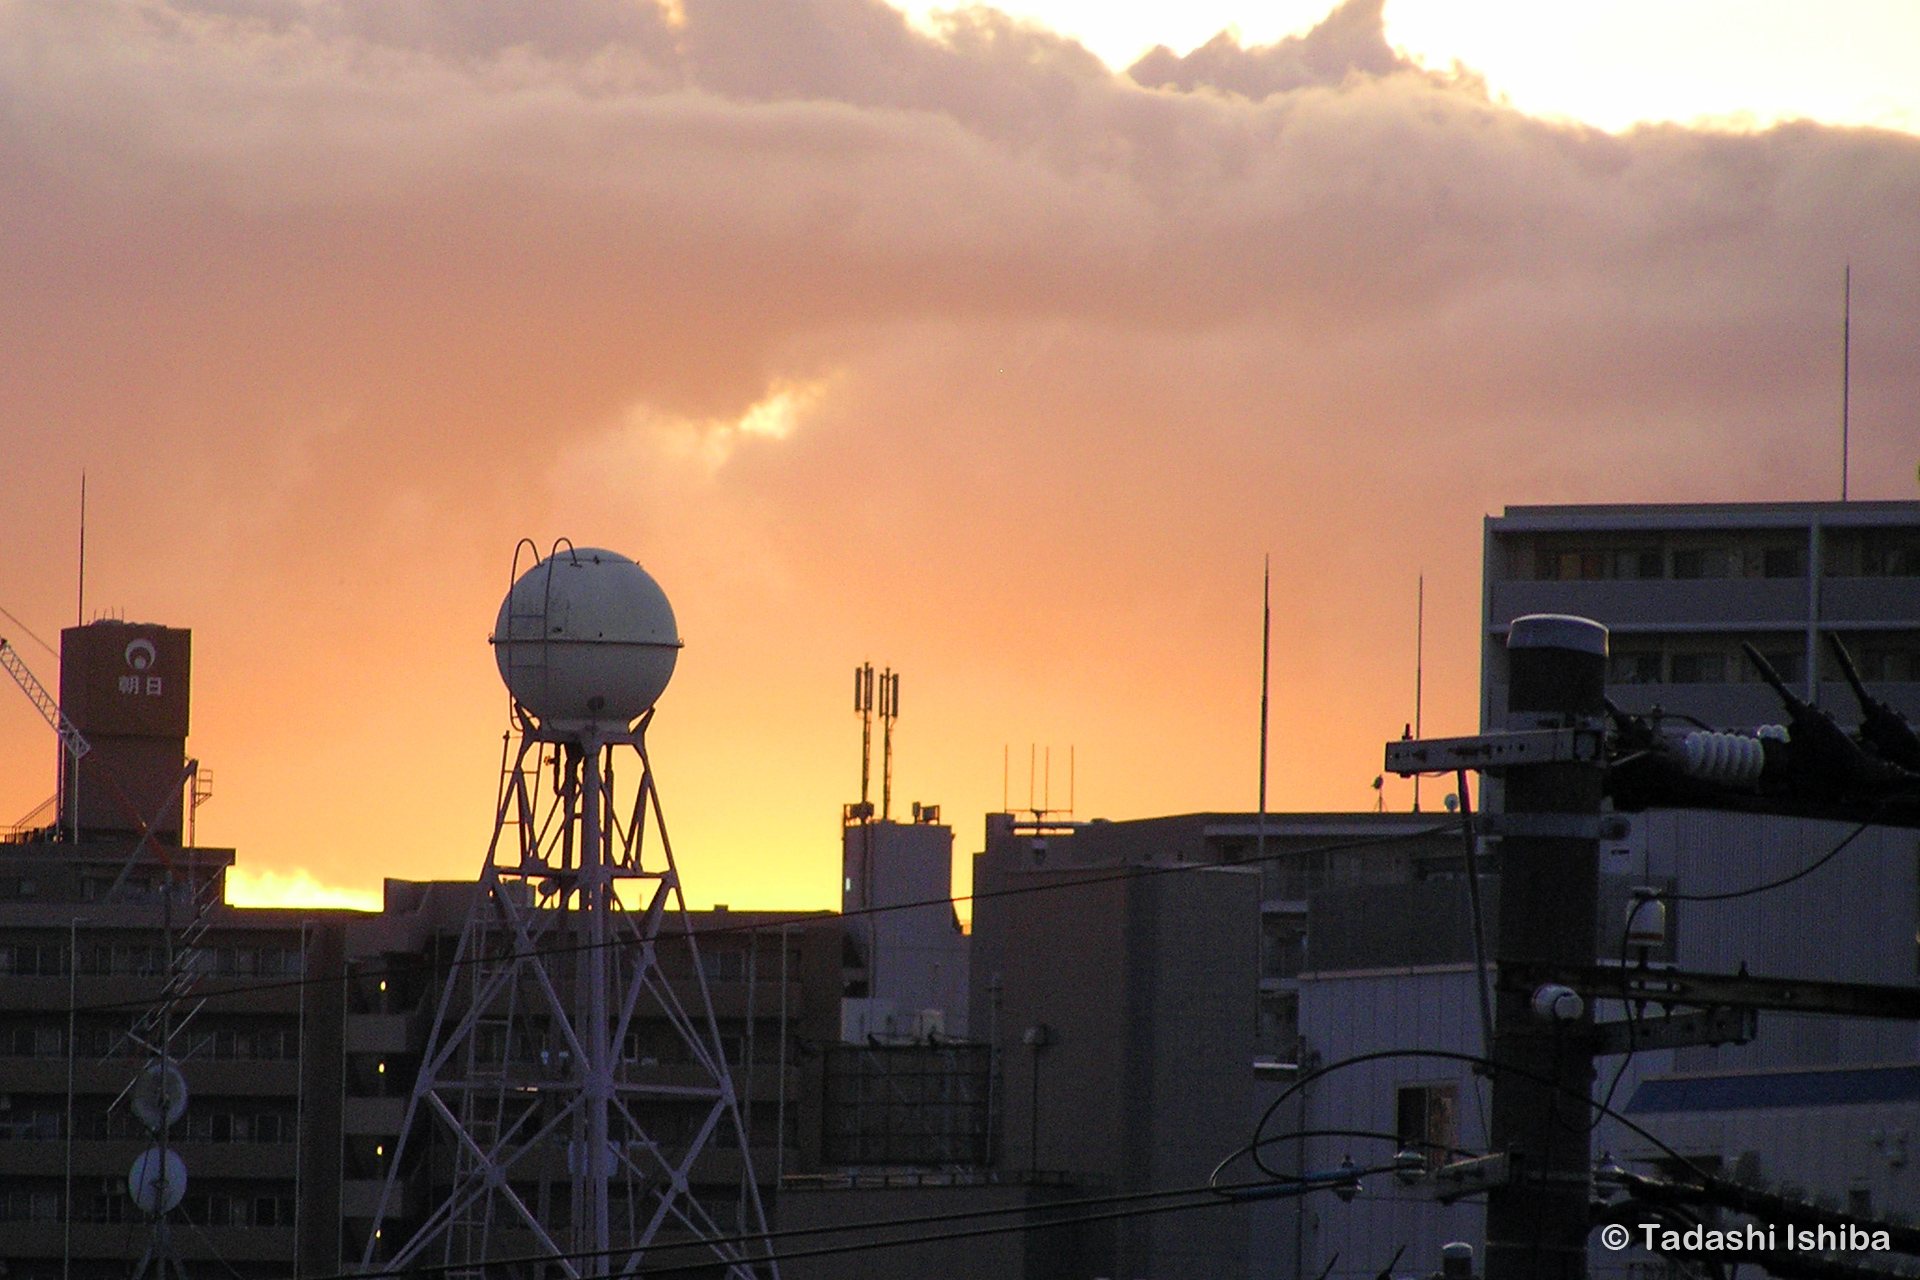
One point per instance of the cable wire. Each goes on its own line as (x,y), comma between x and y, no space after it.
(1198,1196)
(1380,1055)
(1770,885)
(823,916)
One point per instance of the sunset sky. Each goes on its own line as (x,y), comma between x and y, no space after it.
(940,340)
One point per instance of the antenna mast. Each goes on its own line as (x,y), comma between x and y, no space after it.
(1846,374)
(889,712)
(1419,668)
(863,707)
(1266,651)
(80,608)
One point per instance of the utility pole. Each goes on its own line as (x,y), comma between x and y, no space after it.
(1562,752)
(1537,1223)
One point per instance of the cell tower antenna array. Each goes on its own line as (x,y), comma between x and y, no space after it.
(556,979)
(863,707)
(889,712)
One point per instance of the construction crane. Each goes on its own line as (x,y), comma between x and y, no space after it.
(70,738)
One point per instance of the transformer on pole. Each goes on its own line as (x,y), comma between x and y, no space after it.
(575,1086)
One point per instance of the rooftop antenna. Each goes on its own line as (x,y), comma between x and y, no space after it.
(80,608)
(1846,374)
(1266,650)
(1419,666)
(889,712)
(1005,763)
(863,707)
(552,956)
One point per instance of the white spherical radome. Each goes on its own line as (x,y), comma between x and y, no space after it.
(586,637)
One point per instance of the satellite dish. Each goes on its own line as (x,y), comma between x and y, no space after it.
(159,1095)
(157,1180)
(586,637)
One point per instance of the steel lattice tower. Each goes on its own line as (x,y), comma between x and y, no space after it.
(576,978)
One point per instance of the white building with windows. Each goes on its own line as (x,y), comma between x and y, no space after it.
(1680,586)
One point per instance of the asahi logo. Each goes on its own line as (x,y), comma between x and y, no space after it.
(141,655)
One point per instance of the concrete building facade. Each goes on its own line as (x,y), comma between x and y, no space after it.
(907,962)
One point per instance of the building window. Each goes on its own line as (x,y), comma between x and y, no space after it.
(1280,1025)
(1697,668)
(1873,553)
(1427,1119)
(724,966)
(1285,947)
(1894,554)
(30,1205)
(1701,562)
(1783,562)
(1881,662)
(1634,667)
(1641,562)
(1591,564)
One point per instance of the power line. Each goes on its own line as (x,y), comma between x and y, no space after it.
(789,1233)
(1129,872)
(27,631)
(1380,1055)
(1200,1196)
(827,917)
(1749,891)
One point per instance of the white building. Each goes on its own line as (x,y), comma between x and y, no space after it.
(910,957)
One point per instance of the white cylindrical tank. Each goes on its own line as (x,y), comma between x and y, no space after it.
(586,637)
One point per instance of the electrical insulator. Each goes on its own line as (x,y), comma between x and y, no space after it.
(1731,759)
(1349,1185)
(1555,1003)
(1456,1260)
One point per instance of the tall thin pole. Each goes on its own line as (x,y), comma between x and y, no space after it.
(1846,375)
(1266,653)
(1419,669)
(80,607)
(70,766)
(597,1075)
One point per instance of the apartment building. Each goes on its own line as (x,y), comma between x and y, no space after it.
(1681,586)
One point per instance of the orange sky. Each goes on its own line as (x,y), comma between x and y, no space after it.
(956,352)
